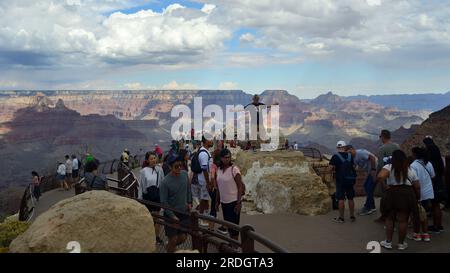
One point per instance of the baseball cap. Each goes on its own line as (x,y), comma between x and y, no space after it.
(340,144)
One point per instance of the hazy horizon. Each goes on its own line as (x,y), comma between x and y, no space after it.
(245,91)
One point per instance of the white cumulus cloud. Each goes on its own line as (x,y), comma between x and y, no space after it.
(173,85)
(228,86)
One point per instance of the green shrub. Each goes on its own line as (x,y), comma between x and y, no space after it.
(9,230)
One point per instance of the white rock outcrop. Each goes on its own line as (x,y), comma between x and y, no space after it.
(283,182)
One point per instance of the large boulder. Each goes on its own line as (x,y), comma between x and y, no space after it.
(292,192)
(284,182)
(97,221)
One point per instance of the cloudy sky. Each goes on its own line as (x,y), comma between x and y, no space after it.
(306,47)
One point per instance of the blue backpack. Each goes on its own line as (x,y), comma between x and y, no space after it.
(347,173)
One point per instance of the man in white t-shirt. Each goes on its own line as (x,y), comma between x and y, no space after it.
(69,171)
(201,190)
(75,169)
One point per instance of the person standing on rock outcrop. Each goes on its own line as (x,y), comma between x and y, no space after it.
(175,193)
(343,166)
(367,161)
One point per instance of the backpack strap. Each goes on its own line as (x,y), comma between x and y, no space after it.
(423,165)
(341,157)
(157,178)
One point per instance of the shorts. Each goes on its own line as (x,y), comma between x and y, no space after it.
(231,216)
(200,192)
(185,220)
(426,204)
(61,177)
(345,191)
(399,198)
(74,173)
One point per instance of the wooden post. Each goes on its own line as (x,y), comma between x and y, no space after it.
(247,243)
(196,241)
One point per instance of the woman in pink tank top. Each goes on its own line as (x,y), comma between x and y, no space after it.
(230,190)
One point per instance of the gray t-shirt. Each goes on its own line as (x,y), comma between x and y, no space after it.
(362,159)
(95,182)
(175,192)
(385,152)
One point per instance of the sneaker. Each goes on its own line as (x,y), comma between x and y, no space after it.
(441,229)
(339,220)
(223,230)
(386,244)
(364,211)
(414,236)
(434,229)
(402,246)
(426,237)
(352,219)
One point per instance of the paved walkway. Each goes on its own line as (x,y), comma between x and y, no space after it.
(299,233)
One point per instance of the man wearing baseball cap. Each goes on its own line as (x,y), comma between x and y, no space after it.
(343,167)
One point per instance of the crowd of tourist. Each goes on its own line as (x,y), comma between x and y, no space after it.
(413,188)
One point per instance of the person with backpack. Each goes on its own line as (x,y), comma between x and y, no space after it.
(439,187)
(402,192)
(150,180)
(367,161)
(343,165)
(230,190)
(36,182)
(425,173)
(94,180)
(201,181)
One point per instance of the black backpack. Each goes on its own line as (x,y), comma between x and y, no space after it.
(195,162)
(347,172)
